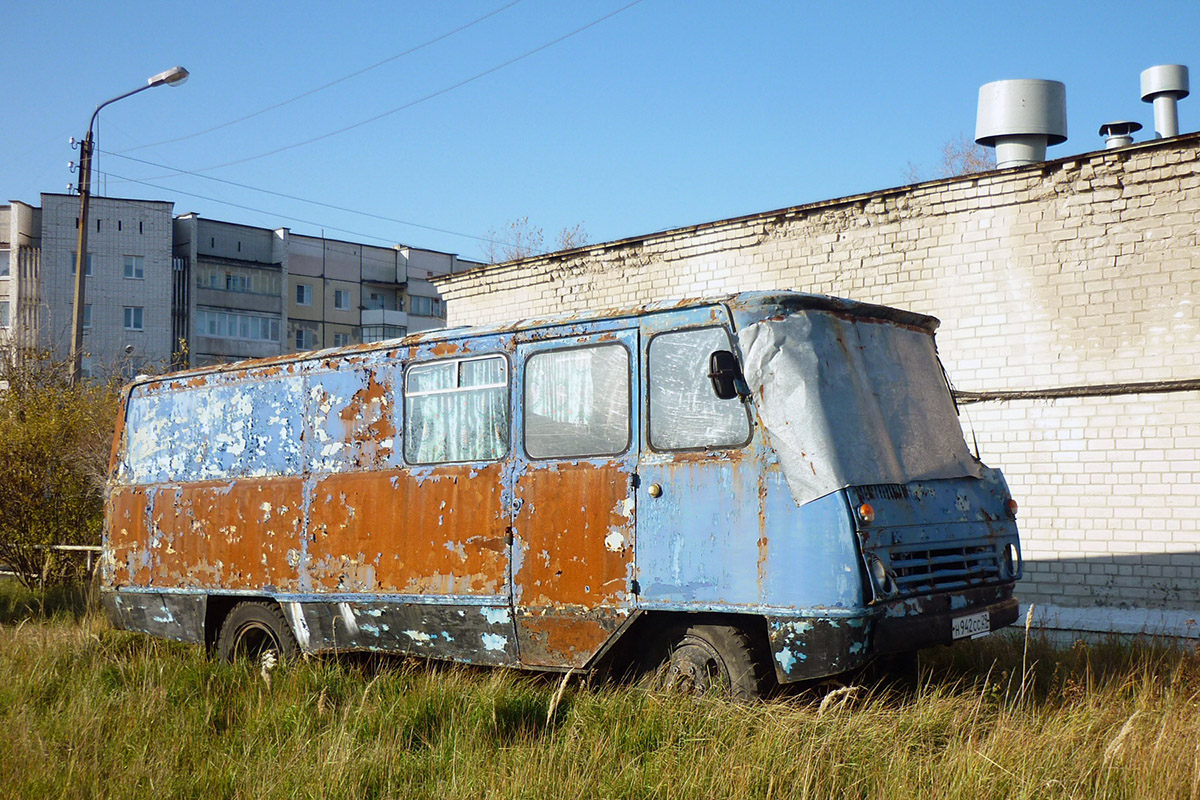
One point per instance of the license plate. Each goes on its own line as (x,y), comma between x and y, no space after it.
(972,625)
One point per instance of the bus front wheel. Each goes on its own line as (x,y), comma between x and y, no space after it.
(713,658)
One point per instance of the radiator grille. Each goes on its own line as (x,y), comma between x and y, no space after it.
(942,568)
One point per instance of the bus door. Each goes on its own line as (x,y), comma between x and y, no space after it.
(573,494)
(703,498)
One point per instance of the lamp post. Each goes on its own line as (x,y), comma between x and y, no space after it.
(171,77)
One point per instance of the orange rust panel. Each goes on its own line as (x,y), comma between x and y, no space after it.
(229,535)
(566,638)
(114,452)
(128,536)
(442,531)
(577,540)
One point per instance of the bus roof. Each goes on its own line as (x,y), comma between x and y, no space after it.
(747,305)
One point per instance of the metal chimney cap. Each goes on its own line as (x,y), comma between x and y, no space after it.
(1120,127)
(1165,79)
(1024,107)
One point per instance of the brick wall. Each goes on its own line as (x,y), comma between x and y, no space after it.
(1080,272)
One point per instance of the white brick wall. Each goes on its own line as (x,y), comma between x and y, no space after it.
(1081,271)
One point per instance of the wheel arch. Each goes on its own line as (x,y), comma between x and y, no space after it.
(218,607)
(648,633)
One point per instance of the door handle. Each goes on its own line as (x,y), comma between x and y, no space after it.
(655,490)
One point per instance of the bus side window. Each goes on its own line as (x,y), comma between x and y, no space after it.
(456,411)
(577,402)
(685,414)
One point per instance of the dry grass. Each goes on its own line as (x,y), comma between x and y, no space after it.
(86,711)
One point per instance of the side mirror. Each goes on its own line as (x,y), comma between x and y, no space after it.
(726,376)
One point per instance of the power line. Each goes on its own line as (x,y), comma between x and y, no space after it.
(282,195)
(429,96)
(323,87)
(286,216)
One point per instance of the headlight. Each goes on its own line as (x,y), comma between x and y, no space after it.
(879,573)
(1009,561)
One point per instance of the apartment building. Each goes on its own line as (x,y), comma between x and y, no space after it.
(128,293)
(345,292)
(166,292)
(230,282)
(20,263)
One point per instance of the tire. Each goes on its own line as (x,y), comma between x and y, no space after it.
(717,659)
(252,629)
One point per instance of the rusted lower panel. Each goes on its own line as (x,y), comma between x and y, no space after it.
(471,633)
(564,636)
(571,588)
(236,535)
(441,532)
(172,616)
(805,648)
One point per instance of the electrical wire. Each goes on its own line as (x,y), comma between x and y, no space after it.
(282,195)
(298,219)
(427,97)
(332,83)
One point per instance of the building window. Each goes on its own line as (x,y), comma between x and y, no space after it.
(4,319)
(341,299)
(378,333)
(428,307)
(87,315)
(305,339)
(228,325)
(133,318)
(135,267)
(242,281)
(385,301)
(4,263)
(303,294)
(87,267)
(341,339)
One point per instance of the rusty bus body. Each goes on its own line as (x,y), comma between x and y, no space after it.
(547,493)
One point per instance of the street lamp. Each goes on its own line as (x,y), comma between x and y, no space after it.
(171,77)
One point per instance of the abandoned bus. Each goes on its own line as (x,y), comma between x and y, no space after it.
(760,488)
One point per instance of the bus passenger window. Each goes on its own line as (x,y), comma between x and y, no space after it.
(685,414)
(577,402)
(456,411)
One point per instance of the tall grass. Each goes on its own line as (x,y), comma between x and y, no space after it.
(86,711)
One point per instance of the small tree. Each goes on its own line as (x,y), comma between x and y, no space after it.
(519,238)
(960,156)
(55,440)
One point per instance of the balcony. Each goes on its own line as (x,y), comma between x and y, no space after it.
(384,316)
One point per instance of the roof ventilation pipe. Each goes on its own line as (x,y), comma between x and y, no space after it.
(1119,133)
(1020,118)
(1165,86)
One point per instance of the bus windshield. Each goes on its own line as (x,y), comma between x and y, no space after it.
(849,401)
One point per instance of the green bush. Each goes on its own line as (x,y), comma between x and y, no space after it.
(55,439)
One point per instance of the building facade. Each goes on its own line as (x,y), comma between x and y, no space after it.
(166,292)
(1069,294)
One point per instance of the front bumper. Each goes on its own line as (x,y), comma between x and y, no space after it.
(804,648)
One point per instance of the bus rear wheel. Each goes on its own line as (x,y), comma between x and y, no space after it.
(718,659)
(253,629)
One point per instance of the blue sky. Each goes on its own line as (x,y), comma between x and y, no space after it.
(664,114)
